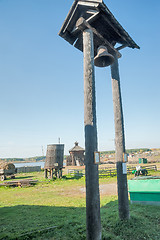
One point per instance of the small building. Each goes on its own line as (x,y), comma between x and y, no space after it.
(76,156)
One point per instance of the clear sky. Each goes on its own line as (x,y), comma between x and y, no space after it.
(41,79)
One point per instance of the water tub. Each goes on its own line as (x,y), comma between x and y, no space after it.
(145,190)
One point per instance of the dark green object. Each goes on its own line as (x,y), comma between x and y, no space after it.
(142,160)
(145,160)
(145,190)
(142,172)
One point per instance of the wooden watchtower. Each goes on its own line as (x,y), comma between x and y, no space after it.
(77,155)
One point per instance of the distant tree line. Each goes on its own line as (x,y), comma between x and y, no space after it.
(107,152)
(42,158)
(31,159)
(12,159)
(136,150)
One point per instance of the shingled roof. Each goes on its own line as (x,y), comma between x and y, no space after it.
(96,13)
(76,148)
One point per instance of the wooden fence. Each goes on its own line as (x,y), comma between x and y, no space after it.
(104,172)
(28,169)
(76,172)
(147,167)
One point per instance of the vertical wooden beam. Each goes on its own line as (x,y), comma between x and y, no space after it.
(52,173)
(45,173)
(91,170)
(60,173)
(123,203)
(49,173)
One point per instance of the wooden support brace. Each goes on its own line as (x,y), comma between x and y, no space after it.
(82,24)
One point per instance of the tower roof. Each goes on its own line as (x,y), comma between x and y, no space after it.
(108,30)
(76,148)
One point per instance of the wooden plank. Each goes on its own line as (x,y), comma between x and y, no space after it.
(89,20)
(83,24)
(21,183)
(114,28)
(123,33)
(121,47)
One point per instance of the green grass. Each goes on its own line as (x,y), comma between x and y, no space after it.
(56,210)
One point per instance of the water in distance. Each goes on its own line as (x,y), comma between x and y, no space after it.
(23,164)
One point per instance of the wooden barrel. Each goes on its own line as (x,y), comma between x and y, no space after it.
(54,156)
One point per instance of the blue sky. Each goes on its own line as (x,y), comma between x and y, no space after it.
(41,79)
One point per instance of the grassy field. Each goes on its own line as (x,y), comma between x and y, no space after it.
(55,209)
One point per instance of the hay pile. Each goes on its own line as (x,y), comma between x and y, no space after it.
(6,166)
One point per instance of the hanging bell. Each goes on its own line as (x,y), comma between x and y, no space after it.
(103,58)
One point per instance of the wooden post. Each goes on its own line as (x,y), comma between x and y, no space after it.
(49,173)
(119,142)
(45,173)
(52,173)
(91,170)
(60,173)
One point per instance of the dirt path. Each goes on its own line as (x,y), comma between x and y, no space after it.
(105,189)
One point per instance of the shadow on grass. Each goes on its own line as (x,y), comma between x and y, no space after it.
(65,177)
(70,177)
(143,223)
(25,177)
(66,223)
(107,176)
(35,222)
